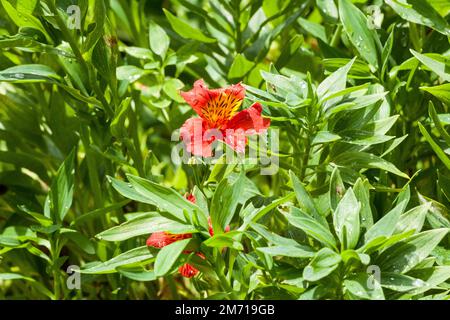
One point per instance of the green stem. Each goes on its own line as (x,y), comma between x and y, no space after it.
(55,268)
(92,167)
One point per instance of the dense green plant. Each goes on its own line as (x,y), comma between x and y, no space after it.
(357,91)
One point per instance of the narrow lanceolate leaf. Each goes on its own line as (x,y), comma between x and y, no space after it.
(439,152)
(141,275)
(288,251)
(14,276)
(442,92)
(186,30)
(363,286)
(144,225)
(166,199)
(29,73)
(361,190)
(334,83)
(366,160)
(386,225)
(421,12)
(406,254)
(311,227)
(337,189)
(225,201)
(24,18)
(356,26)
(435,62)
(346,220)
(437,122)
(168,255)
(133,256)
(324,262)
(304,199)
(413,219)
(61,189)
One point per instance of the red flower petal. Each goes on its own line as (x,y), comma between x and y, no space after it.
(198,96)
(244,123)
(249,120)
(163,238)
(192,134)
(215,106)
(188,271)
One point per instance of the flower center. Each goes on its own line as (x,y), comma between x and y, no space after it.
(219,110)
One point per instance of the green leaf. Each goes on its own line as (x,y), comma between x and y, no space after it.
(439,152)
(142,275)
(29,73)
(361,189)
(273,237)
(80,240)
(430,278)
(325,137)
(240,67)
(311,227)
(315,29)
(158,39)
(61,189)
(356,26)
(337,189)
(366,160)
(230,239)
(436,63)
(386,225)
(14,276)
(328,10)
(288,251)
(400,282)
(166,199)
(304,199)
(421,12)
(130,257)
(100,15)
(324,262)
(186,30)
(127,190)
(225,201)
(168,255)
(364,286)
(172,88)
(406,254)
(129,73)
(386,53)
(346,220)
(146,224)
(24,18)
(437,122)
(140,53)
(334,83)
(413,219)
(117,126)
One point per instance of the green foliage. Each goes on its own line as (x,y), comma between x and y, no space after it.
(358,92)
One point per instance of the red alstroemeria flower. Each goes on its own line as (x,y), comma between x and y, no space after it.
(162,238)
(220,119)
